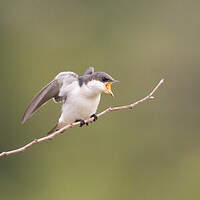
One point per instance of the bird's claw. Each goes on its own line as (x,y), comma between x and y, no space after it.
(94,116)
(82,122)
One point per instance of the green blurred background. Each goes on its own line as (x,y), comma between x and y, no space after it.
(149,153)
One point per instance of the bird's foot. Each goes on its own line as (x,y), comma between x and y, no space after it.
(82,122)
(94,116)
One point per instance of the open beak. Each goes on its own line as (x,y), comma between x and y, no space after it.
(108,87)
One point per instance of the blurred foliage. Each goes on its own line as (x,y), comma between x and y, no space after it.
(150,153)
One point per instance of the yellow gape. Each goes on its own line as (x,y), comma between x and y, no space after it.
(108,88)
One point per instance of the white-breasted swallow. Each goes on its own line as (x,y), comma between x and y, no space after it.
(79,96)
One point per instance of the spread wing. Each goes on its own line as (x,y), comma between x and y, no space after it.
(89,71)
(51,90)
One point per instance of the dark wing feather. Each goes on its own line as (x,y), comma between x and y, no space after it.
(89,71)
(49,91)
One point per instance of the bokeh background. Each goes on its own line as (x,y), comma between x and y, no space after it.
(149,153)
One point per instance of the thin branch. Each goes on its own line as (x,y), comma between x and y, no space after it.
(49,137)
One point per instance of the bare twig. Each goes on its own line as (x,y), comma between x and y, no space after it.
(22,149)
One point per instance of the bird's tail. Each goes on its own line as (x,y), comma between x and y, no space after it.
(56,128)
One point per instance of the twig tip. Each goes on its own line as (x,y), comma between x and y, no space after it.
(162,80)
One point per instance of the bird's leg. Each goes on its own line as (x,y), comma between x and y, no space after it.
(94,116)
(82,122)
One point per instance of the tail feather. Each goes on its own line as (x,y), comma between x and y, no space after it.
(56,128)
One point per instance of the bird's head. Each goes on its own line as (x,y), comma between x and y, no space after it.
(101,82)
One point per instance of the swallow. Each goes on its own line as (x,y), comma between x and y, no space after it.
(78,95)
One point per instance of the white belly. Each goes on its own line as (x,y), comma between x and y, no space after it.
(79,107)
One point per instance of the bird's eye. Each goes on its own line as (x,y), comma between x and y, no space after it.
(104,79)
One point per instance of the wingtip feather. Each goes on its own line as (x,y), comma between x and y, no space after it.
(23,120)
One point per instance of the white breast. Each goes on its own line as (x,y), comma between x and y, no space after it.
(80,104)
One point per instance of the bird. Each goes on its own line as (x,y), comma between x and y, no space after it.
(78,95)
